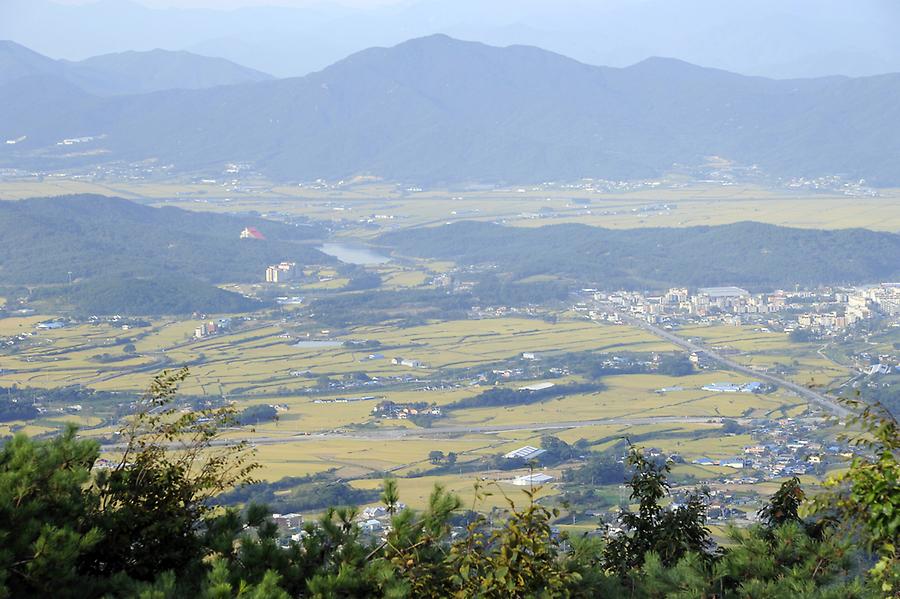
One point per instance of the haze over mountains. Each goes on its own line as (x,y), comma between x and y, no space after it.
(126,72)
(799,38)
(440,110)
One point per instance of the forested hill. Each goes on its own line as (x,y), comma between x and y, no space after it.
(755,255)
(439,110)
(43,240)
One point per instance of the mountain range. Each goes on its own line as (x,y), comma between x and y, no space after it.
(439,110)
(772,38)
(758,256)
(125,72)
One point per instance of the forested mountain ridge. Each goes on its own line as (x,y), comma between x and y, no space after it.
(755,255)
(439,110)
(49,240)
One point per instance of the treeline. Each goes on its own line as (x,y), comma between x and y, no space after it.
(502,396)
(360,279)
(496,291)
(749,254)
(256,414)
(299,494)
(409,307)
(15,410)
(18,403)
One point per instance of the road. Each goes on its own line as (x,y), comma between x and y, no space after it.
(393,434)
(440,431)
(805,392)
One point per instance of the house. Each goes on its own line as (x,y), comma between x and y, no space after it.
(290,521)
(398,361)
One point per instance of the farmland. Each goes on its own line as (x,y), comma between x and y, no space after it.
(802,362)
(670,203)
(253,364)
(325,380)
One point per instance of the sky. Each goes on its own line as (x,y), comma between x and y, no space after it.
(772,38)
(230,4)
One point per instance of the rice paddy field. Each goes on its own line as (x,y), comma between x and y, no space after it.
(391,206)
(804,363)
(261,362)
(253,364)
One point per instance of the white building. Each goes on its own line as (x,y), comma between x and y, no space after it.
(533,479)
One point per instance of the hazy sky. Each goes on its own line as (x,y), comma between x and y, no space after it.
(776,38)
(239,3)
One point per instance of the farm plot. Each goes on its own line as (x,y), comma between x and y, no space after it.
(803,363)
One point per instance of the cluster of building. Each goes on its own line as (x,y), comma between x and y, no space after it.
(212,327)
(823,310)
(375,520)
(401,411)
(282,272)
(783,448)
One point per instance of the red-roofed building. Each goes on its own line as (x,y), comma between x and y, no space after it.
(251,233)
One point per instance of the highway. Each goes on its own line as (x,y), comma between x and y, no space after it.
(805,392)
(393,434)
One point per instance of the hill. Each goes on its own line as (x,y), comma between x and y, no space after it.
(438,110)
(163,294)
(125,72)
(43,240)
(755,255)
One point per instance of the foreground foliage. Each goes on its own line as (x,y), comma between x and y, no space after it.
(147,527)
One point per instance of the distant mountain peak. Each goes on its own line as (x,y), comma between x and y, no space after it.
(438,110)
(127,72)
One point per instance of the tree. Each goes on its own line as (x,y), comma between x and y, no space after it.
(731,427)
(669,533)
(675,365)
(435,457)
(785,504)
(866,497)
(46,527)
(152,502)
(523,558)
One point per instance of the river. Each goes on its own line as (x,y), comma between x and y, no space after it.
(353,254)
